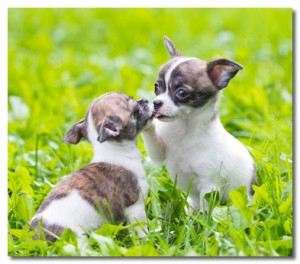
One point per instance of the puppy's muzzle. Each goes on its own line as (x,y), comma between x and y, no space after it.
(143,104)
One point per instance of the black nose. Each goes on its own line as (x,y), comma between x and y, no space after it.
(143,101)
(157,104)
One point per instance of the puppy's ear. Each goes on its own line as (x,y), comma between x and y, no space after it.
(111,127)
(77,131)
(171,48)
(221,71)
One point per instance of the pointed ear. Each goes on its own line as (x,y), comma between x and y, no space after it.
(221,71)
(111,127)
(78,131)
(171,48)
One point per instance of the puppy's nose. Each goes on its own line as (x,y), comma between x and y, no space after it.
(143,101)
(157,104)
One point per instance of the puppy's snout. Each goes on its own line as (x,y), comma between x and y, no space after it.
(142,101)
(157,104)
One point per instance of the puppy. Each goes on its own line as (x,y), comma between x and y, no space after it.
(187,133)
(114,183)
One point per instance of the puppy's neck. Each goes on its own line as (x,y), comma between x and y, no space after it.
(124,154)
(201,119)
(112,151)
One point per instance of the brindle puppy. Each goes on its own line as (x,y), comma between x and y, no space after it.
(114,183)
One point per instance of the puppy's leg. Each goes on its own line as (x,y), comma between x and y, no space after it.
(154,146)
(204,205)
(136,213)
(192,205)
(82,242)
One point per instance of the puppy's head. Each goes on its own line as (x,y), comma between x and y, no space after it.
(113,116)
(186,83)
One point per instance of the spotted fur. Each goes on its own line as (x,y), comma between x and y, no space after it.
(114,183)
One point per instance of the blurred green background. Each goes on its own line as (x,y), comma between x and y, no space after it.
(59,60)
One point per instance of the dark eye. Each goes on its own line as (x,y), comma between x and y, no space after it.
(156,88)
(181,93)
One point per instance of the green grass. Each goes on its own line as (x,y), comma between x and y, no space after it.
(61,59)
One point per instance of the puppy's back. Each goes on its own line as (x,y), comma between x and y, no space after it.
(74,202)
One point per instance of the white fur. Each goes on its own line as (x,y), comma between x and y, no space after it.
(209,156)
(168,107)
(136,212)
(197,148)
(72,212)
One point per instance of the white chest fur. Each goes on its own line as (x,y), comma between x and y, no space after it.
(206,153)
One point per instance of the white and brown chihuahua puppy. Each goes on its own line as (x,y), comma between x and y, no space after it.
(187,133)
(114,182)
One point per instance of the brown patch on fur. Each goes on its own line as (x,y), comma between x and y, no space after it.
(74,135)
(112,104)
(201,80)
(221,71)
(162,72)
(96,182)
(113,107)
(192,76)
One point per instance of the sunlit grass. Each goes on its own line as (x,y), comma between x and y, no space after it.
(61,59)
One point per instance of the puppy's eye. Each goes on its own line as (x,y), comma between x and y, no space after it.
(182,93)
(156,88)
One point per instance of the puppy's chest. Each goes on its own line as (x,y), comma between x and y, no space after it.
(190,153)
(182,157)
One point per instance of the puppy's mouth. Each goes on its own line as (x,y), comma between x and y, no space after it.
(157,115)
(161,116)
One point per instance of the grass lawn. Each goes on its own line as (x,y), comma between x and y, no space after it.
(62,59)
